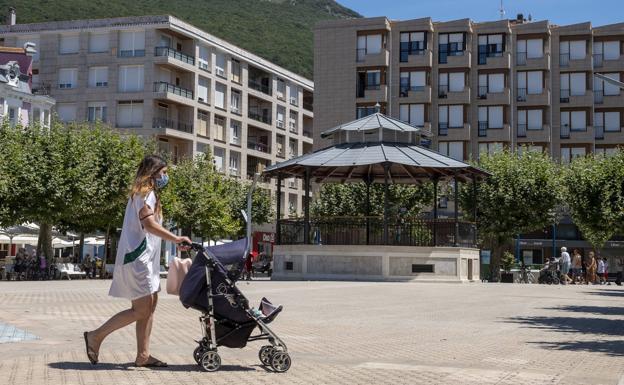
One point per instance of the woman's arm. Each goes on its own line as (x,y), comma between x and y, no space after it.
(146,214)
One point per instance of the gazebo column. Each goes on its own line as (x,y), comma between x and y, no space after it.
(435,210)
(474,209)
(306,208)
(456,212)
(279,209)
(368,183)
(385,218)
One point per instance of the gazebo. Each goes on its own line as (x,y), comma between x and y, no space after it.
(373,149)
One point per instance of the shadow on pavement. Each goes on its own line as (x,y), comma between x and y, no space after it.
(607,293)
(67,365)
(611,348)
(598,310)
(581,325)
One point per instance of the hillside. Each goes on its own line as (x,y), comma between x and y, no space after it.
(278,30)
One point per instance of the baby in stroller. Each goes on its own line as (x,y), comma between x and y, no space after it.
(549,274)
(227,319)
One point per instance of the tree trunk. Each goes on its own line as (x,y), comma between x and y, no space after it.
(81,248)
(106,252)
(44,243)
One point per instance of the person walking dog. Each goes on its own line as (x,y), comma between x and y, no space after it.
(136,276)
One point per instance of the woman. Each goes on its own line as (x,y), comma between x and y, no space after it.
(577,266)
(591,269)
(137,266)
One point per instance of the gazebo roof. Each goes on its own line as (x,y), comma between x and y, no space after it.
(407,163)
(373,122)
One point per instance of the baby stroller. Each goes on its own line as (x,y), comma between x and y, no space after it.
(549,274)
(227,320)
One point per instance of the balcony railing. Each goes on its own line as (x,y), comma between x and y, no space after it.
(253,145)
(172,53)
(598,96)
(521,95)
(483,91)
(599,132)
(522,130)
(521,58)
(173,124)
(483,127)
(598,58)
(259,115)
(370,231)
(443,91)
(443,128)
(360,54)
(564,131)
(258,86)
(307,133)
(564,96)
(171,88)
(564,59)
(308,106)
(405,89)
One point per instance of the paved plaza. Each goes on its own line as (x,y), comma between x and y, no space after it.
(337,332)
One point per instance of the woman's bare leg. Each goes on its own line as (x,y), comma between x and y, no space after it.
(143,333)
(141,308)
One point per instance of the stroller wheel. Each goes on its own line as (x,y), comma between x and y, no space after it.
(198,353)
(280,362)
(265,354)
(210,361)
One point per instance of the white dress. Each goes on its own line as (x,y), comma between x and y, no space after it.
(137,265)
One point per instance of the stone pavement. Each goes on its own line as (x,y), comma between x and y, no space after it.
(337,332)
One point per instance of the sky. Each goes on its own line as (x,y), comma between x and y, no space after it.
(561,12)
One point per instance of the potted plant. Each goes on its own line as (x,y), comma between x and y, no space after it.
(507,262)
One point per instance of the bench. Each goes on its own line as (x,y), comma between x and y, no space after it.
(69,271)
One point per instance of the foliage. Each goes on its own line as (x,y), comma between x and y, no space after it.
(520,196)
(261,211)
(350,200)
(594,193)
(279,31)
(507,261)
(197,199)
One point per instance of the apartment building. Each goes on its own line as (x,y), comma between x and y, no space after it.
(161,77)
(479,87)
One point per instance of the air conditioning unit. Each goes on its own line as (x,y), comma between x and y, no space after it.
(280,123)
(220,71)
(293,100)
(204,66)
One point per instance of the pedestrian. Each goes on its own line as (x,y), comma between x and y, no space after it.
(565,265)
(600,270)
(43,267)
(87,265)
(591,269)
(248,267)
(137,266)
(577,266)
(618,277)
(606,271)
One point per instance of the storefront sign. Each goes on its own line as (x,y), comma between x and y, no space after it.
(268,237)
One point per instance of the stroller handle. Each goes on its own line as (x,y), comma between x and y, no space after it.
(193,246)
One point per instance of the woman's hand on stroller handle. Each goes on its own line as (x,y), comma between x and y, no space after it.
(183,243)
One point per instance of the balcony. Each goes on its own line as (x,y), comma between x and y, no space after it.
(486,97)
(456,59)
(415,94)
(585,100)
(258,85)
(502,134)
(419,58)
(612,101)
(531,99)
(166,52)
(576,135)
(380,59)
(445,96)
(373,94)
(461,133)
(261,147)
(168,88)
(260,114)
(584,64)
(526,134)
(495,60)
(164,123)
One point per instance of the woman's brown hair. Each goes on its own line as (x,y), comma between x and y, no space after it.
(144,179)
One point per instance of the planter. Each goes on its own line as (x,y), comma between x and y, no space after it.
(507,278)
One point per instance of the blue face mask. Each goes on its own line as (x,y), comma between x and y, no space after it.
(162,181)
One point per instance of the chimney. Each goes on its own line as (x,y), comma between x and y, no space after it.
(520,18)
(30,48)
(12,16)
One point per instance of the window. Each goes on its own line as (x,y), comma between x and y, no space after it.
(235,101)
(130,114)
(293,95)
(203,87)
(131,43)
(412,43)
(606,151)
(281,89)
(491,46)
(491,83)
(363,111)
(204,58)
(234,163)
(451,82)
(609,49)
(369,45)
(68,77)
(220,91)
(236,71)
(218,129)
(571,50)
(281,112)
(98,42)
(529,49)
(610,121)
(453,150)
(452,115)
(66,112)
(607,88)
(522,148)
(574,120)
(366,80)
(573,84)
(203,118)
(530,119)
(96,111)
(569,153)
(450,44)
(490,148)
(412,81)
(491,117)
(529,82)
(131,78)
(13,116)
(98,77)
(220,64)
(235,130)
(69,44)
(413,114)
(36,115)
(219,159)
(293,121)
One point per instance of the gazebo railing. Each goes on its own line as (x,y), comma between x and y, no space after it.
(370,231)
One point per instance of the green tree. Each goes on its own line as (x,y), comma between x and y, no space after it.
(594,193)
(261,211)
(197,199)
(520,196)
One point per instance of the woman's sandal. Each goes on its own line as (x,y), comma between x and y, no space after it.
(91,354)
(152,363)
